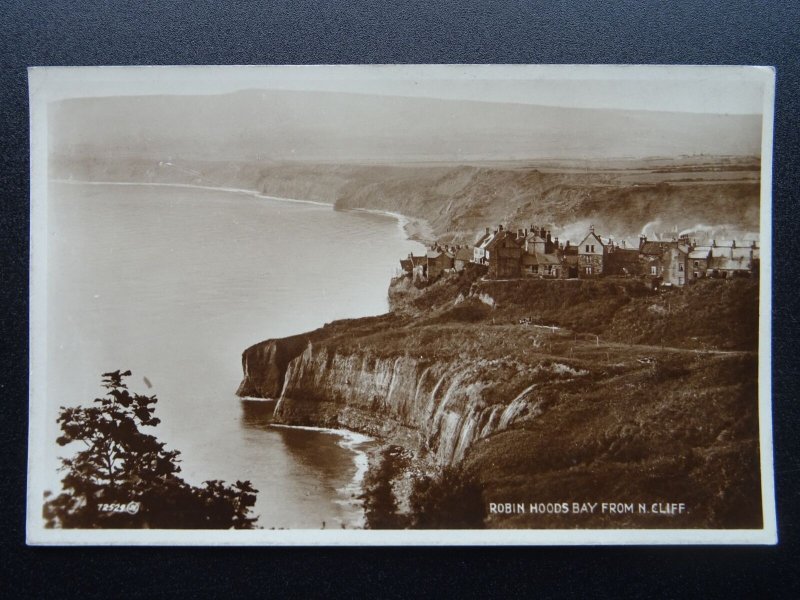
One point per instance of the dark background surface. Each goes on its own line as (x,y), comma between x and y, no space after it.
(115,32)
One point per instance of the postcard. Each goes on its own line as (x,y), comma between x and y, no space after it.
(400,305)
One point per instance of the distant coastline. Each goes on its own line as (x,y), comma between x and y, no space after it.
(415,229)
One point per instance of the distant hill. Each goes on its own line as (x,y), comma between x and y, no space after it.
(270,125)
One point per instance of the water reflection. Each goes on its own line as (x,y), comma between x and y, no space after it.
(319,451)
(324,458)
(257,414)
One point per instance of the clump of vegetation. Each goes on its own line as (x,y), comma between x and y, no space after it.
(380,504)
(124,478)
(451,500)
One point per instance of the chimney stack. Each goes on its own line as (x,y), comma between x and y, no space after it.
(488,230)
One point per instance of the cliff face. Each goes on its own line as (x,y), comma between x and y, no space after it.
(264,365)
(442,404)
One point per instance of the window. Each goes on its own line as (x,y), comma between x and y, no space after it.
(588,270)
(587,247)
(680,267)
(592,247)
(654,270)
(696,264)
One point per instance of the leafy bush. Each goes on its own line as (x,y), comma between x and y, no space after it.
(124,478)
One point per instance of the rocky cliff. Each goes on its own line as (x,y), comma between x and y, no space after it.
(443,403)
(533,410)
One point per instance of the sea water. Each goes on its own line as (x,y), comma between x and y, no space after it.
(174,283)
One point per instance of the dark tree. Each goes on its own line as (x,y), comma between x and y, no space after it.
(124,478)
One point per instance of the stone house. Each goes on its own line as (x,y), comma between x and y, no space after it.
(504,254)
(623,262)
(728,260)
(591,255)
(698,261)
(675,265)
(479,249)
(542,265)
(439,260)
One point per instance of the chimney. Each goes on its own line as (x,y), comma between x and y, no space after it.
(548,239)
(642,241)
(713,243)
(500,227)
(541,232)
(591,229)
(733,243)
(526,232)
(519,234)
(488,230)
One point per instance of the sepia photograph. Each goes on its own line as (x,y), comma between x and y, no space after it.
(400,305)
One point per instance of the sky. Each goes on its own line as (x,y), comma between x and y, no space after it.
(402,113)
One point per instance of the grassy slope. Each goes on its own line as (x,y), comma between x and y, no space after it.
(648,424)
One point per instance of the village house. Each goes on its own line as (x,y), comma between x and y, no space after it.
(623,262)
(698,261)
(728,260)
(479,250)
(439,259)
(542,265)
(675,265)
(504,253)
(591,255)
(651,253)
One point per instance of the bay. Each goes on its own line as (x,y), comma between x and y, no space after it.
(174,283)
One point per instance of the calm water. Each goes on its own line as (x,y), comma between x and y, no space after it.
(173,283)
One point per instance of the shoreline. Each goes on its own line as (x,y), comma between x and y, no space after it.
(352,441)
(195,187)
(415,229)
